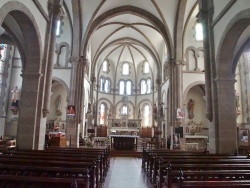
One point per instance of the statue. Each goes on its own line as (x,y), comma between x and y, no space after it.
(161,113)
(15,97)
(155,110)
(15,100)
(237,100)
(56,124)
(190,108)
(237,103)
(89,108)
(139,113)
(58,105)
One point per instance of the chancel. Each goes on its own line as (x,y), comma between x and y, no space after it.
(96,83)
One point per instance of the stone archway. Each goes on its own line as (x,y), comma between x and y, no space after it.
(224,98)
(29,44)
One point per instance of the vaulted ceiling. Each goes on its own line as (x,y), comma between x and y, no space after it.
(133,30)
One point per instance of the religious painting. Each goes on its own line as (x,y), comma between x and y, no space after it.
(244,137)
(71,110)
(180,113)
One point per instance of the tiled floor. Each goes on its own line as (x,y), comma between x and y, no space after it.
(126,172)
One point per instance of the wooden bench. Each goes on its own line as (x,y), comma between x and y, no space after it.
(196,168)
(13,181)
(93,172)
(153,162)
(213,179)
(147,154)
(211,175)
(104,158)
(97,160)
(156,163)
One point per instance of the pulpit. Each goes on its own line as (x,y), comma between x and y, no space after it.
(124,142)
(58,141)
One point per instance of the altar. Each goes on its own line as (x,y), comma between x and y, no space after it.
(199,140)
(124,142)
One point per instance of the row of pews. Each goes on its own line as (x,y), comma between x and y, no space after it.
(171,168)
(54,168)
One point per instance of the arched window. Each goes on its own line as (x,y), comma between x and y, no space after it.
(107,85)
(102,114)
(128,87)
(198,31)
(58,27)
(143,87)
(121,87)
(102,83)
(124,110)
(105,66)
(125,69)
(146,67)
(148,85)
(146,115)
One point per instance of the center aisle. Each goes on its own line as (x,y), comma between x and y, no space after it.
(126,172)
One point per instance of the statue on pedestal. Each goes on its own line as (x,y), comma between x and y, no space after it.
(15,100)
(190,108)
(58,105)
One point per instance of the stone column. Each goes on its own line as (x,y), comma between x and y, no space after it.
(94,106)
(159,106)
(54,11)
(171,95)
(72,135)
(225,121)
(205,17)
(179,88)
(27,127)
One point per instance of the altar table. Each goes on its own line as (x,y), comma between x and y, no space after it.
(124,142)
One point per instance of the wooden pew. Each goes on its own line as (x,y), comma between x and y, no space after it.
(160,163)
(104,151)
(210,175)
(198,168)
(94,181)
(151,162)
(236,180)
(104,165)
(148,154)
(13,181)
(72,158)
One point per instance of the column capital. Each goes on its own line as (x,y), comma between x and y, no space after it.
(74,60)
(205,15)
(84,61)
(158,81)
(179,62)
(54,7)
(93,79)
